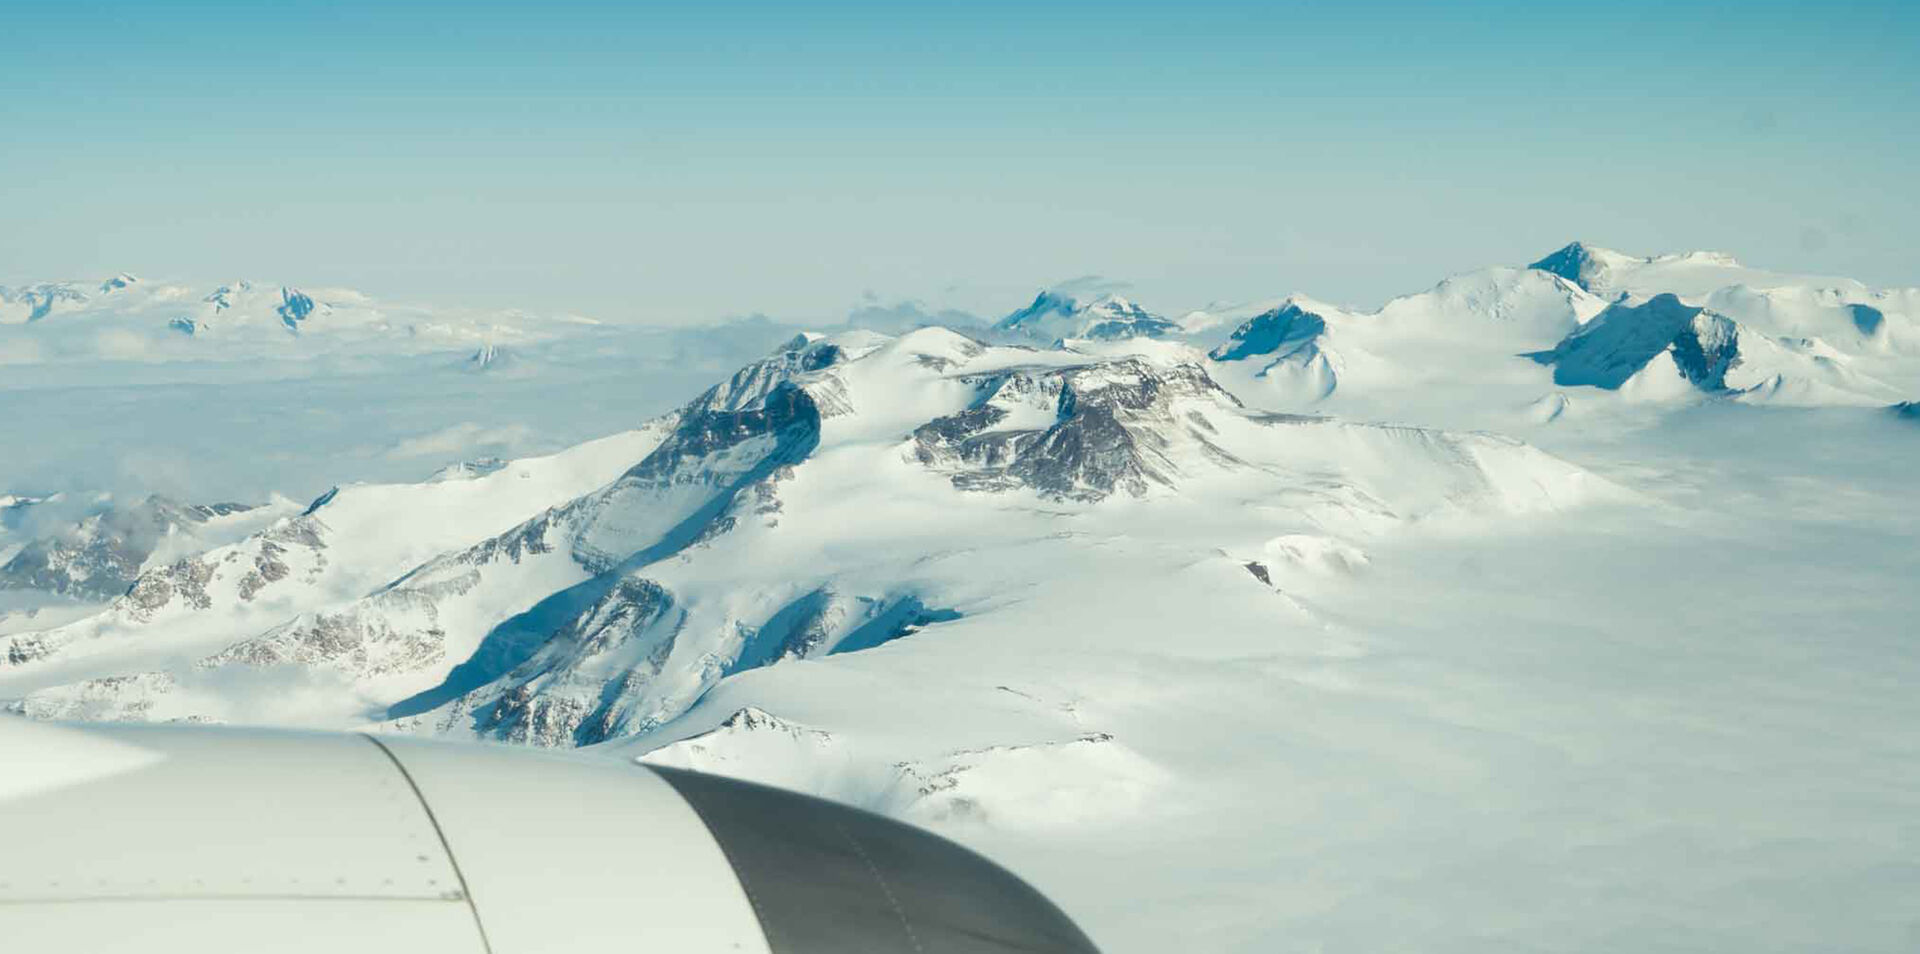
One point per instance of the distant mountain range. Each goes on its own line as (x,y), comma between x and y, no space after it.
(127,317)
(854,488)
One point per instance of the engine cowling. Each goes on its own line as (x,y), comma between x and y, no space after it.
(167,838)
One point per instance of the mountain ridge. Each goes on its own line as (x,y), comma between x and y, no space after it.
(577,625)
(574,599)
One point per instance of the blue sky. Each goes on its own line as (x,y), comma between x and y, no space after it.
(689,163)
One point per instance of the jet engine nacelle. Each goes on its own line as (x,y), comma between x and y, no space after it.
(181,839)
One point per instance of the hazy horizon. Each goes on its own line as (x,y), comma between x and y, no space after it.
(684,167)
(951,308)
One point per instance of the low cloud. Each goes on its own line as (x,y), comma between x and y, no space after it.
(1090,286)
(906,315)
(19,350)
(462,439)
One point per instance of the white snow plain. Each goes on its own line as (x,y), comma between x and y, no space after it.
(1325,683)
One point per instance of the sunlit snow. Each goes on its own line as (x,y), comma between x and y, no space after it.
(1565,607)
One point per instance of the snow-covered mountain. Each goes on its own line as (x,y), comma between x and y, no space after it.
(805,507)
(1103,587)
(577,598)
(1690,275)
(1665,346)
(1436,354)
(1608,273)
(1055,316)
(1459,350)
(128,318)
(36,301)
(101,555)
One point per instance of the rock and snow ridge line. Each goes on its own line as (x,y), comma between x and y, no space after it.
(607,613)
(1602,320)
(1832,321)
(1772,341)
(1107,680)
(526,624)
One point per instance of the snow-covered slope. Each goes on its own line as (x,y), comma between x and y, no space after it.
(602,592)
(1437,353)
(1877,326)
(807,506)
(1610,274)
(350,541)
(1549,728)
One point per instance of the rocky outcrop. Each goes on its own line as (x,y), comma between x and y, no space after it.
(1076,433)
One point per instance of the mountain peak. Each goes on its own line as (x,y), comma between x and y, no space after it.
(1603,270)
(1284,328)
(1583,264)
(1047,302)
(1057,316)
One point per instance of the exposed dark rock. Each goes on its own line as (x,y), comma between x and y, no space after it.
(25,649)
(186,578)
(1111,424)
(267,568)
(1706,349)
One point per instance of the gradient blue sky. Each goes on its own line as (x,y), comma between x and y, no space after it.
(686,163)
